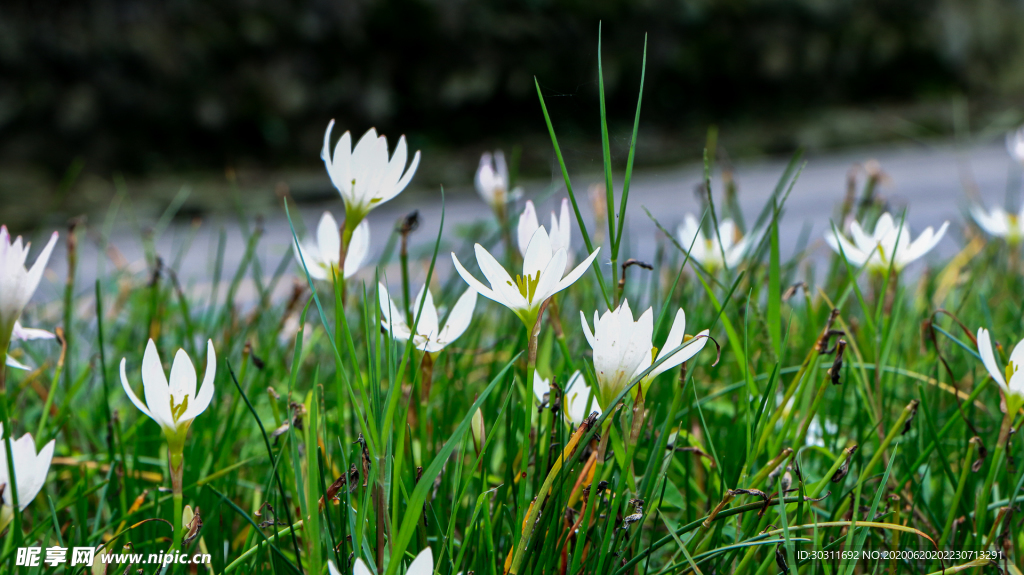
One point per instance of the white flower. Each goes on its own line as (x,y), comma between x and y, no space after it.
(543,269)
(624,348)
(322,258)
(175,404)
(706,250)
(30,469)
(364,175)
(430,337)
(1015,144)
(560,233)
(1000,223)
(423,564)
(17,284)
(575,396)
(1011,379)
(888,243)
(20,333)
(492,181)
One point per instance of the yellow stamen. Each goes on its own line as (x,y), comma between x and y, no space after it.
(1011,369)
(177,410)
(527,285)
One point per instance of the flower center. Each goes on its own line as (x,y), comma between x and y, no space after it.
(177,410)
(527,285)
(1011,369)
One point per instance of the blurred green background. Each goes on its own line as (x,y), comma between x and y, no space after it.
(180,90)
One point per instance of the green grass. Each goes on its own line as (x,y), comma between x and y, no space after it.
(354,398)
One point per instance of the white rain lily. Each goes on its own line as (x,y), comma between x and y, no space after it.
(1000,223)
(542,277)
(492,181)
(560,233)
(174,404)
(1015,144)
(430,336)
(17,284)
(364,176)
(423,564)
(575,396)
(30,469)
(322,258)
(1011,380)
(707,250)
(623,348)
(889,243)
(20,333)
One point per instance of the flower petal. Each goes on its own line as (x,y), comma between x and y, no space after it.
(29,333)
(131,394)
(527,226)
(183,378)
(459,317)
(538,252)
(358,248)
(475,283)
(577,272)
(692,239)
(988,357)
(155,387)
(586,329)
(31,281)
(549,278)
(501,282)
(423,564)
(205,395)
(309,259)
(360,568)
(1016,382)
(423,309)
(689,350)
(541,386)
(328,239)
(843,247)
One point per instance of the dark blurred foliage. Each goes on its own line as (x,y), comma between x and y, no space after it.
(139,85)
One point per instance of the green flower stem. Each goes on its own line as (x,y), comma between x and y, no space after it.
(501,212)
(14,536)
(176,468)
(531,366)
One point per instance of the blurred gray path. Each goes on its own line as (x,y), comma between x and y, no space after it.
(930,181)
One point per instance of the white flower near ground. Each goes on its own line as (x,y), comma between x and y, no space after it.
(575,396)
(888,243)
(560,233)
(30,469)
(492,181)
(322,258)
(423,564)
(543,276)
(624,348)
(18,283)
(20,333)
(1011,379)
(172,404)
(364,176)
(430,336)
(707,250)
(1015,144)
(1000,223)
